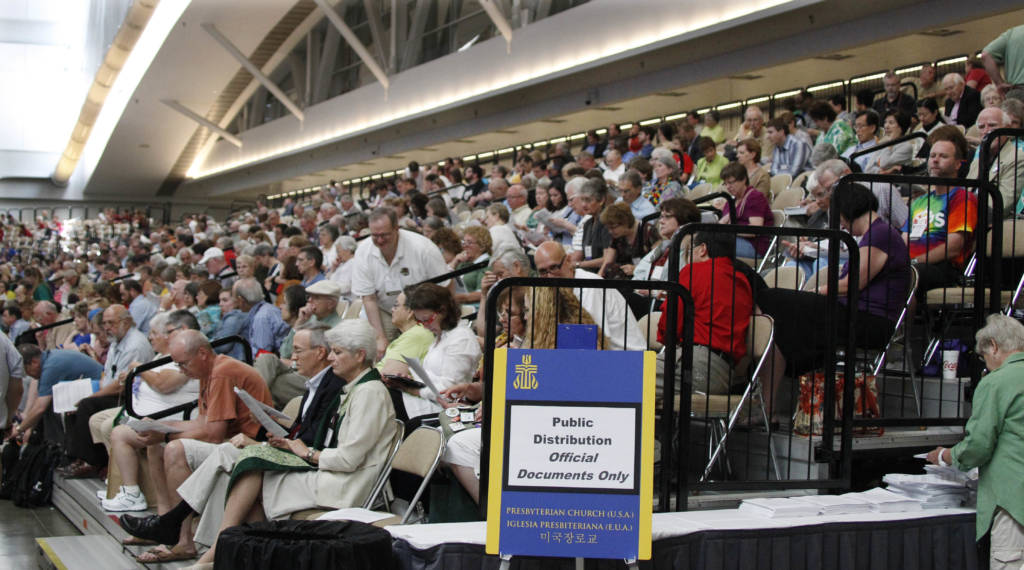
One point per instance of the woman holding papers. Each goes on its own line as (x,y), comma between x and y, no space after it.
(995,441)
(341,474)
(453,356)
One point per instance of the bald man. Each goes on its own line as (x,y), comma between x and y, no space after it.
(606,306)
(752,127)
(45,313)
(963,103)
(220,416)
(1004,160)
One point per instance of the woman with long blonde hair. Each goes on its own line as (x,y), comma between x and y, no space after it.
(553,306)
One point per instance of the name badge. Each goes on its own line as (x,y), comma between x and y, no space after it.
(392,287)
(587,251)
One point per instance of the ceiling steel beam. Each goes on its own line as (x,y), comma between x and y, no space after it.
(255,71)
(494,13)
(354,42)
(376,28)
(174,104)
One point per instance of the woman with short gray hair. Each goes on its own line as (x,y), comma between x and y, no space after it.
(995,441)
(342,471)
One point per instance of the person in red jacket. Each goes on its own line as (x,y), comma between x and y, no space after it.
(722,303)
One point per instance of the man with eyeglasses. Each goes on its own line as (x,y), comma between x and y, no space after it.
(220,416)
(128,347)
(387,263)
(607,307)
(195,484)
(321,308)
(865,126)
(631,189)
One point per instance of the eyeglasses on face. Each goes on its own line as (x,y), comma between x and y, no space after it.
(551,269)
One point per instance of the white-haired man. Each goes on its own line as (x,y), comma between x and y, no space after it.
(1004,160)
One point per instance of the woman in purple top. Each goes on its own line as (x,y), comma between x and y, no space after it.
(752,209)
(801,318)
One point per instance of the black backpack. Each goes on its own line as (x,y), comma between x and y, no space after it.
(33,474)
(8,460)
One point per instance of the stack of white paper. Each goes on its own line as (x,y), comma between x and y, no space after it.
(778,508)
(936,490)
(836,504)
(883,501)
(67,394)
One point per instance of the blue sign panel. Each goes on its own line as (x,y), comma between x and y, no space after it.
(571,454)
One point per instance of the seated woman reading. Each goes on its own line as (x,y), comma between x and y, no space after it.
(801,318)
(343,472)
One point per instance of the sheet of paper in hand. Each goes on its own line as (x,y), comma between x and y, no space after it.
(256,407)
(152,425)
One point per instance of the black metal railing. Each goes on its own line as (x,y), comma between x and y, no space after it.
(785,450)
(458,272)
(914,135)
(29,336)
(708,198)
(949,307)
(186,408)
(670,473)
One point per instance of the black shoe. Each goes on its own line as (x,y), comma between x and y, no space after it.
(152,527)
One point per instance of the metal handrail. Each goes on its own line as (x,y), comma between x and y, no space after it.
(187,407)
(887,144)
(29,336)
(715,195)
(675,293)
(458,272)
(840,465)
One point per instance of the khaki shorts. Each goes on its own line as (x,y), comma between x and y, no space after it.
(197,451)
(1007,550)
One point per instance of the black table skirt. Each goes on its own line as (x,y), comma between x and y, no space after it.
(939,543)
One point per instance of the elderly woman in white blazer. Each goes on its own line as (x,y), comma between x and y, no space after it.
(344,472)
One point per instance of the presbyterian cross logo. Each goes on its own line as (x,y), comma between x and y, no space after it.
(526,374)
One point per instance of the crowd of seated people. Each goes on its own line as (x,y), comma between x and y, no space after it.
(334,293)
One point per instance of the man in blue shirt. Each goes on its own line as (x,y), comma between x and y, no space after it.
(309,260)
(631,186)
(792,156)
(141,308)
(14,324)
(52,367)
(265,329)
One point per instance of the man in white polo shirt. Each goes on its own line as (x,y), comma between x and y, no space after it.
(389,261)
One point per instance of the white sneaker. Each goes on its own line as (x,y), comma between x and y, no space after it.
(101,494)
(125,501)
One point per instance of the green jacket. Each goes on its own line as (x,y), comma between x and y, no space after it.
(995,442)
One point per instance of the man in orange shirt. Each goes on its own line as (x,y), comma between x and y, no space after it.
(220,416)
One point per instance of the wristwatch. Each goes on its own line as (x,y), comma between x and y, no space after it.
(309,455)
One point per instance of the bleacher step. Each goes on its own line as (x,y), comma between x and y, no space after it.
(82,552)
(76,499)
